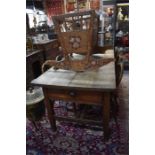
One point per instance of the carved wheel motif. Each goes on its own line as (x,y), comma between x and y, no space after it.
(75,42)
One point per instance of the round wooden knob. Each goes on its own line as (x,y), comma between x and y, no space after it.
(72,94)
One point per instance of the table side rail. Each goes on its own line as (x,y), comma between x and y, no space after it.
(87,97)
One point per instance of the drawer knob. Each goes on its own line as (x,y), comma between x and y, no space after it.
(72,94)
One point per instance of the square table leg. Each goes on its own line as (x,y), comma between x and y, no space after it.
(106,114)
(49,104)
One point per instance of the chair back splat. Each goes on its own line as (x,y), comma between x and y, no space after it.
(77,34)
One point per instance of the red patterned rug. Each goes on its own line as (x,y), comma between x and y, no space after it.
(76,139)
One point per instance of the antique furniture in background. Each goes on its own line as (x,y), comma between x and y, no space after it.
(122,32)
(34,60)
(50,48)
(36,56)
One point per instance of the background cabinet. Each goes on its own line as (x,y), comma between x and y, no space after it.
(107,23)
(109,26)
(34,60)
(122,32)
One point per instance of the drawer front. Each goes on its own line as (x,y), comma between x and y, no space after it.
(76,96)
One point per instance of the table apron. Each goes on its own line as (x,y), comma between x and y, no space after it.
(78,96)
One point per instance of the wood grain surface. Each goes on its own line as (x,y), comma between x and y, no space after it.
(100,79)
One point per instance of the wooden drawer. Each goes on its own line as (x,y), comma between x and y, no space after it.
(76,96)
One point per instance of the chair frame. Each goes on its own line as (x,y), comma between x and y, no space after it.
(77,33)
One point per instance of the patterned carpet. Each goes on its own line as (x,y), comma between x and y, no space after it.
(77,139)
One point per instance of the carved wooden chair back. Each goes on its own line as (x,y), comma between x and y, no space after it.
(77,32)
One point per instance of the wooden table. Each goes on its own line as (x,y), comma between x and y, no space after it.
(89,87)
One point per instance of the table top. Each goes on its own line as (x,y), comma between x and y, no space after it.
(100,79)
